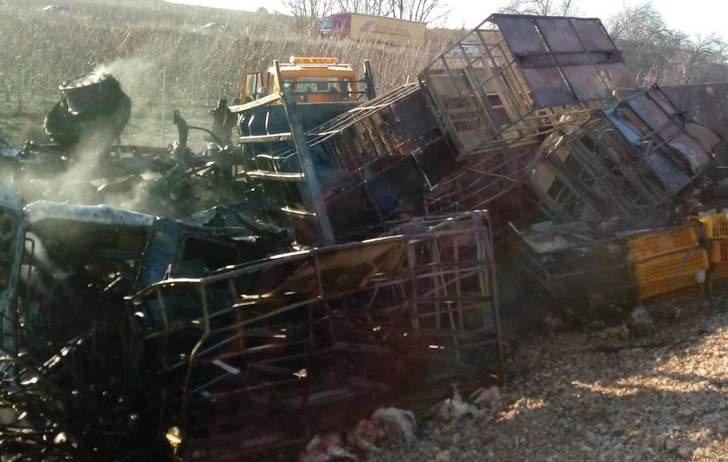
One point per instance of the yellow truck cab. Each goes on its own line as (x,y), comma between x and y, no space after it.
(320,87)
(311,80)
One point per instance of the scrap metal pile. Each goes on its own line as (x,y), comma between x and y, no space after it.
(234,302)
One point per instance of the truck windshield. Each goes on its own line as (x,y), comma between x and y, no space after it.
(326,24)
(320,88)
(312,84)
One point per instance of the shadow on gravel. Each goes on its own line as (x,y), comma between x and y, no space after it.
(660,397)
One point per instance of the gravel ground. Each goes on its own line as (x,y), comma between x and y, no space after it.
(600,396)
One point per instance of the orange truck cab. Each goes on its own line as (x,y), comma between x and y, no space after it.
(310,80)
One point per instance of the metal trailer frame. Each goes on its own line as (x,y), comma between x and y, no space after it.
(587,186)
(358,323)
(12,248)
(481,180)
(515,78)
(585,271)
(371,162)
(628,162)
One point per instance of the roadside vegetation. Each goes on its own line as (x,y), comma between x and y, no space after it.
(165,57)
(181,57)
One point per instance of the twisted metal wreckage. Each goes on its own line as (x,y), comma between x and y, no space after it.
(259,285)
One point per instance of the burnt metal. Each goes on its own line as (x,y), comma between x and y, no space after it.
(372,163)
(93,110)
(584,273)
(627,164)
(480,180)
(266,353)
(223,122)
(71,383)
(243,329)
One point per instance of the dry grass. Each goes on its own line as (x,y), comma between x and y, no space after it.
(160,53)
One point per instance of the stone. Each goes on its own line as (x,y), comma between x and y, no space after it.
(670,444)
(443,456)
(396,420)
(640,322)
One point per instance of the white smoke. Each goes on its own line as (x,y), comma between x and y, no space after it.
(137,79)
(138,76)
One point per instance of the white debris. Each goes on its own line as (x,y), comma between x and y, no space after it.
(54,9)
(640,321)
(214,26)
(325,448)
(487,398)
(455,408)
(392,418)
(366,436)
(578,397)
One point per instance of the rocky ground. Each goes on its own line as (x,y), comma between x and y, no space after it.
(604,396)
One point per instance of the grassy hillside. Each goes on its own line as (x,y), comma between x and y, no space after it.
(162,56)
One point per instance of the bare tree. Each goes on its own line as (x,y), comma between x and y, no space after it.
(311,9)
(702,54)
(412,10)
(307,12)
(374,7)
(658,54)
(541,7)
(650,47)
(418,10)
(639,23)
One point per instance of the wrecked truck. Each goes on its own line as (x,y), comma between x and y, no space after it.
(126,327)
(311,263)
(68,349)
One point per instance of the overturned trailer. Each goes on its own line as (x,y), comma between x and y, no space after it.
(363,167)
(584,274)
(210,336)
(515,78)
(237,332)
(478,115)
(627,164)
(283,342)
(498,93)
(67,363)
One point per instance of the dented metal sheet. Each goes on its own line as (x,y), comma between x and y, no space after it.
(706,104)
(628,163)
(663,127)
(670,174)
(563,60)
(666,126)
